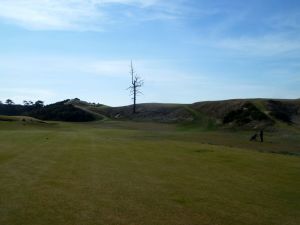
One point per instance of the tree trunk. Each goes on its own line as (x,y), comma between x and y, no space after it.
(134,98)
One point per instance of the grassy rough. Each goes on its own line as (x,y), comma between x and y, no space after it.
(144,174)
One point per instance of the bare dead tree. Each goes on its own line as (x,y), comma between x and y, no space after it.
(136,84)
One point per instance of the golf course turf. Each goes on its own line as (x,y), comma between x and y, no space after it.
(127,173)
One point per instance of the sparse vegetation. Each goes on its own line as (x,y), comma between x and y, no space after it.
(282,111)
(246,114)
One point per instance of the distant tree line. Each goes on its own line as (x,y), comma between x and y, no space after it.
(60,111)
(38,103)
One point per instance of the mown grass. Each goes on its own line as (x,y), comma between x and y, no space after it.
(144,174)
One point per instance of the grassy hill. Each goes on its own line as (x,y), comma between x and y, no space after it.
(238,114)
(243,113)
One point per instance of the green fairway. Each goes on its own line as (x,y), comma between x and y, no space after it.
(126,173)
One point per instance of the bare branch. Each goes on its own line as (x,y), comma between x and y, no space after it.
(137,83)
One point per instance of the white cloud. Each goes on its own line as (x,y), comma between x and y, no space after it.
(73,14)
(240,33)
(270,45)
(153,71)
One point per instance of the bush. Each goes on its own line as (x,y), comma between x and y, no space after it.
(246,114)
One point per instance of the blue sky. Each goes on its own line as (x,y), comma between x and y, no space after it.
(185,50)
